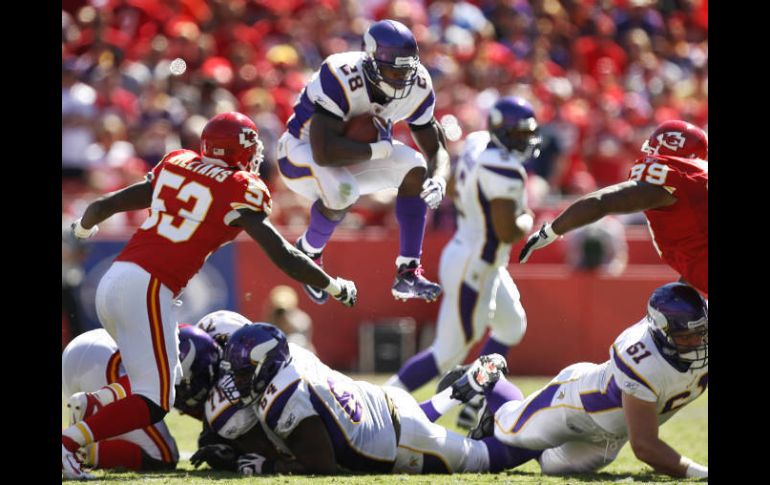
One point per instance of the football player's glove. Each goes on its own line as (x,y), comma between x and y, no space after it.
(384,146)
(218,457)
(540,239)
(343,291)
(81,232)
(253,464)
(433,190)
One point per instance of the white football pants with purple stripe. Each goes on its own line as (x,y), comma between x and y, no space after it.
(477,295)
(339,187)
(426,447)
(553,419)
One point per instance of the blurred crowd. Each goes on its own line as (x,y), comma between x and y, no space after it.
(600,73)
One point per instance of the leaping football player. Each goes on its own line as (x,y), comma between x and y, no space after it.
(317,161)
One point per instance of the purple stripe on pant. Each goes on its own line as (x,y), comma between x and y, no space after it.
(543,400)
(602,401)
(468,299)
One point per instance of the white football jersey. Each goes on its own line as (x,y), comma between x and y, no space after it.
(484,172)
(340,87)
(355,413)
(637,368)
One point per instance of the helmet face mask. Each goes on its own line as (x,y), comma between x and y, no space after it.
(391,58)
(678,318)
(513,128)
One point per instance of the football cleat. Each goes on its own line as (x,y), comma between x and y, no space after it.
(410,283)
(481,376)
(71,467)
(486,423)
(469,413)
(82,405)
(316,295)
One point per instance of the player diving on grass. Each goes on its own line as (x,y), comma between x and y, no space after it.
(581,419)
(317,161)
(670,184)
(488,190)
(197,202)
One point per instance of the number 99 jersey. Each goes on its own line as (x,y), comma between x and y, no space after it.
(679,231)
(193,203)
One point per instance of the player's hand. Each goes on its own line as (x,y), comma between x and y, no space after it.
(385,131)
(251,464)
(218,457)
(347,294)
(433,190)
(81,232)
(540,239)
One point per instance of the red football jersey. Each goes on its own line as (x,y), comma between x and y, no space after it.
(680,231)
(192,204)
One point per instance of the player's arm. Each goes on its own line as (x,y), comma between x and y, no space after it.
(622,198)
(431,140)
(642,422)
(291,260)
(134,197)
(312,448)
(505,223)
(330,146)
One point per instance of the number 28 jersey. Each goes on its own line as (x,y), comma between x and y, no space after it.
(679,231)
(193,203)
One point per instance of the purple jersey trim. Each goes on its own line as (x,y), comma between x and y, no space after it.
(223,417)
(303,110)
(468,300)
(276,408)
(491,243)
(331,87)
(602,400)
(629,371)
(426,103)
(541,401)
(291,171)
(511,173)
(346,455)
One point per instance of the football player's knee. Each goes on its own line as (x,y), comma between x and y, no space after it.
(511,327)
(157,413)
(446,360)
(347,194)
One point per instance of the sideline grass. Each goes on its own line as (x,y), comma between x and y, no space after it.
(687,432)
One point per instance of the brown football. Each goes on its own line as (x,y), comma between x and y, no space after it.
(361,129)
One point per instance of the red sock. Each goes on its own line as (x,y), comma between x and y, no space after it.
(123,381)
(119,453)
(119,417)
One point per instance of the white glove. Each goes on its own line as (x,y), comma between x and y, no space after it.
(251,464)
(540,239)
(343,291)
(81,232)
(433,191)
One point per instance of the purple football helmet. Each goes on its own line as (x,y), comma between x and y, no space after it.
(253,356)
(200,356)
(677,311)
(392,58)
(512,126)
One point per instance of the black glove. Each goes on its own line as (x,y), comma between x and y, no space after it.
(218,457)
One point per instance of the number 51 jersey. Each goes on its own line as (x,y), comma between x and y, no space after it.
(192,204)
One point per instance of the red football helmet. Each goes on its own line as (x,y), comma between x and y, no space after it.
(231,139)
(679,139)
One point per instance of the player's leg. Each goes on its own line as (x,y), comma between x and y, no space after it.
(151,448)
(509,321)
(147,337)
(450,344)
(579,457)
(405,169)
(332,191)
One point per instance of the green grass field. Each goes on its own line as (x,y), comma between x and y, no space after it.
(687,432)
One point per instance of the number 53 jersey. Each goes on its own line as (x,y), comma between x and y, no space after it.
(679,231)
(193,203)
(355,413)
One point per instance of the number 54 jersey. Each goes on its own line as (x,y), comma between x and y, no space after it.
(679,231)
(355,413)
(193,203)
